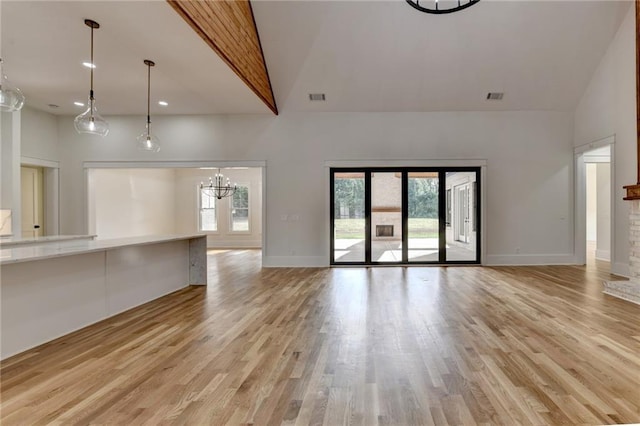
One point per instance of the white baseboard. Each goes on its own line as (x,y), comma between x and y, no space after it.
(621,269)
(529,259)
(234,244)
(603,255)
(295,262)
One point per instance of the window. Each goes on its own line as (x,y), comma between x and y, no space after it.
(208,217)
(239,206)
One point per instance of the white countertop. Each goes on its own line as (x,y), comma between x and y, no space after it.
(18,241)
(49,250)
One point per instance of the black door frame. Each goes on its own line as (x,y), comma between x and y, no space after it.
(442,172)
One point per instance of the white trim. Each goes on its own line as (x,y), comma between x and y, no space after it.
(221,244)
(612,211)
(263,225)
(326,235)
(483,215)
(51,200)
(169,164)
(596,159)
(603,255)
(89,215)
(295,261)
(51,191)
(580,210)
(598,143)
(621,269)
(407,163)
(31,161)
(530,259)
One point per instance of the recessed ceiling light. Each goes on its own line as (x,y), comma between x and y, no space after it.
(89,65)
(163,103)
(78,104)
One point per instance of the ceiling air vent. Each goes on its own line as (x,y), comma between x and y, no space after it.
(317,97)
(495,96)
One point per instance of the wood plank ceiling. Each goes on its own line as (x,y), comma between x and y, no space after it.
(229,28)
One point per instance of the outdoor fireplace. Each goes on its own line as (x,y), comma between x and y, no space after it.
(384,230)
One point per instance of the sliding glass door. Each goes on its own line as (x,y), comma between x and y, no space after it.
(405,216)
(423,217)
(348,217)
(386,217)
(461,235)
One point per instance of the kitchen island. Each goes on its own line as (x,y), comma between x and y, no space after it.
(51,289)
(6,242)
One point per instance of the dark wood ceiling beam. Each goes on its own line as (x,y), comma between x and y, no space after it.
(229,28)
(633,191)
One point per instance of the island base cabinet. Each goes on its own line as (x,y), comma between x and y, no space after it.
(44,299)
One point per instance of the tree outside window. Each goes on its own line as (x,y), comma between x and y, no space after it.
(239,205)
(208,217)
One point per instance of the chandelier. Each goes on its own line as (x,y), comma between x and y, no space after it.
(439,7)
(218,187)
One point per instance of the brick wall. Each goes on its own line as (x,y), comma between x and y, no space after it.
(634,239)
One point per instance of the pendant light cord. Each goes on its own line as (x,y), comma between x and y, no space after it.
(91,68)
(148,99)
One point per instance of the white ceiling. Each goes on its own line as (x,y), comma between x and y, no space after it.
(365,55)
(387,56)
(45,42)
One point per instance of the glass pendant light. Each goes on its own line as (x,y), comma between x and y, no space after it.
(148,141)
(11,98)
(90,121)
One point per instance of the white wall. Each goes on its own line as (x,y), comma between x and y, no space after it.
(132,202)
(187,187)
(34,134)
(39,135)
(608,107)
(10,191)
(529,173)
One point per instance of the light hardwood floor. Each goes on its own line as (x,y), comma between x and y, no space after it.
(404,346)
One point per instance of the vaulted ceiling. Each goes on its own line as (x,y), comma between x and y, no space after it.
(365,56)
(45,42)
(386,56)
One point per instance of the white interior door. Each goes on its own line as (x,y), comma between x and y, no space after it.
(32,202)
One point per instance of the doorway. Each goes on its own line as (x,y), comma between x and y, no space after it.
(125,202)
(598,204)
(32,194)
(404,216)
(594,212)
